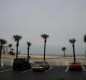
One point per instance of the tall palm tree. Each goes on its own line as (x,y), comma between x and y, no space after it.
(44,36)
(2,42)
(84,42)
(63,49)
(28,49)
(10,45)
(72,41)
(17,39)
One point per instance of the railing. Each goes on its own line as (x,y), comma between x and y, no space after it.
(51,63)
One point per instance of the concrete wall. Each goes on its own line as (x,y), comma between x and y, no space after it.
(51,63)
(7,63)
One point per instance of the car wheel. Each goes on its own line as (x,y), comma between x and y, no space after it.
(34,70)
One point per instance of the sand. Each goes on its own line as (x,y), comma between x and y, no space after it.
(53,60)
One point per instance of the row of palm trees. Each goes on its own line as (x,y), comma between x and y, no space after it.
(72,41)
(64,48)
(17,38)
(44,36)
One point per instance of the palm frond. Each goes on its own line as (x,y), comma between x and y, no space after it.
(44,36)
(85,38)
(28,44)
(2,41)
(17,37)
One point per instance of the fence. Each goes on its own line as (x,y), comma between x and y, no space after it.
(51,63)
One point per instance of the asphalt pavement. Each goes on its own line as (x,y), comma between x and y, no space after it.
(53,73)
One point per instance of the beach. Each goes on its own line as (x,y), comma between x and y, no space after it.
(53,60)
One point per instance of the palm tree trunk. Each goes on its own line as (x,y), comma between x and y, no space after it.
(64,53)
(0,53)
(0,56)
(10,49)
(74,53)
(17,50)
(28,54)
(44,49)
(85,52)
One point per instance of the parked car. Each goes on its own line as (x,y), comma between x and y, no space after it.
(75,67)
(40,66)
(21,64)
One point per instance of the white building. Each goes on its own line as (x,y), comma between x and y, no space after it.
(5,50)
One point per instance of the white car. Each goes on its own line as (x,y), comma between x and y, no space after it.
(40,66)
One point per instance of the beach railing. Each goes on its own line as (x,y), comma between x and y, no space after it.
(7,63)
(51,63)
(58,63)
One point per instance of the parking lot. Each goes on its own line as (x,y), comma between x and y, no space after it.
(53,73)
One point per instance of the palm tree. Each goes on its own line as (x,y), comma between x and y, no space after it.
(12,53)
(63,49)
(12,49)
(72,41)
(28,49)
(10,45)
(84,42)
(17,39)
(2,42)
(44,36)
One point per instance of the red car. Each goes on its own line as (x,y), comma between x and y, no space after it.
(75,67)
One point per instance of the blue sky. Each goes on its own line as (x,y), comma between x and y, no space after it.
(60,19)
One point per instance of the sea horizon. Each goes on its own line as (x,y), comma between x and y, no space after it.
(41,54)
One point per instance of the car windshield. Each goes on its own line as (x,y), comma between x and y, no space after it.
(38,62)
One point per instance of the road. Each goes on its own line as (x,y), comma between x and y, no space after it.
(53,73)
